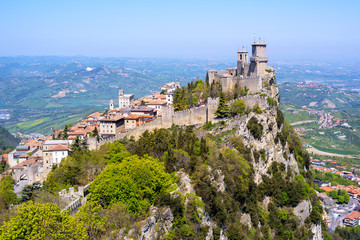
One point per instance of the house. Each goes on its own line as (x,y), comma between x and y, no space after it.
(54,154)
(23,157)
(132,121)
(142,110)
(157,105)
(352,219)
(14,156)
(49,143)
(93,118)
(170,87)
(111,126)
(159,97)
(326,189)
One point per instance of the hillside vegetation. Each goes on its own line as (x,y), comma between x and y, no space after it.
(194,182)
(7,140)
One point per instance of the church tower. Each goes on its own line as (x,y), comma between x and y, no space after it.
(111,107)
(258,59)
(242,63)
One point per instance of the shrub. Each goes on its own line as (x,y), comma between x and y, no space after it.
(256,128)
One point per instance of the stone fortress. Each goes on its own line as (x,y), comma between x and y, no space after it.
(246,74)
(254,76)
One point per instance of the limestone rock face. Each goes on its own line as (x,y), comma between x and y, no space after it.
(273,151)
(316,230)
(158,224)
(303,210)
(185,183)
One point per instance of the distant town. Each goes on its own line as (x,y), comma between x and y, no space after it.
(37,155)
(344,213)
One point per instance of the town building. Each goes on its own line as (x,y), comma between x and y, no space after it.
(111,126)
(157,105)
(352,219)
(170,87)
(53,155)
(125,100)
(92,118)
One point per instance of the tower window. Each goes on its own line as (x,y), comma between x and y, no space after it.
(240,57)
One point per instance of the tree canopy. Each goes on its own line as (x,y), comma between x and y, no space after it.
(134,182)
(42,221)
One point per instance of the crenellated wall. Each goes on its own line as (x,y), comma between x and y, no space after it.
(192,116)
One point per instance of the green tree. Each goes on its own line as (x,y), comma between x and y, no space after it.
(207,79)
(65,134)
(92,215)
(42,221)
(134,182)
(3,165)
(237,107)
(7,196)
(95,133)
(223,109)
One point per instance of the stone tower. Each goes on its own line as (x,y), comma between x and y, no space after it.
(242,63)
(258,60)
(111,107)
(121,92)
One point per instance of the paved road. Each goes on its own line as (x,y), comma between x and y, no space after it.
(19,187)
(338,213)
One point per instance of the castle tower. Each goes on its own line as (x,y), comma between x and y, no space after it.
(111,107)
(258,59)
(242,63)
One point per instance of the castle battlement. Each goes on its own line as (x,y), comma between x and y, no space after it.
(247,74)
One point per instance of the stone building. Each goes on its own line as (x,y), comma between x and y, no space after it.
(111,126)
(247,74)
(125,100)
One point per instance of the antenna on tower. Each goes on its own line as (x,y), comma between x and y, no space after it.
(254,38)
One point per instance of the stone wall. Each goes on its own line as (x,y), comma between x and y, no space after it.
(252,83)
(251,101)
(192,116)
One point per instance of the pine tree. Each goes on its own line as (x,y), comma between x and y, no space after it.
(207,79)
(223,109)
(66,130)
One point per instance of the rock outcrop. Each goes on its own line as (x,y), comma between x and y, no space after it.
(158,224)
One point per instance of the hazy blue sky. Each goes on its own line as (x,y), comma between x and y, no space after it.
(179,28)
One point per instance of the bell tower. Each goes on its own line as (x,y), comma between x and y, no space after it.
(111,105)
(242,62)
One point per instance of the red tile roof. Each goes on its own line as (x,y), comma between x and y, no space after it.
(58,147)
(326,189)
(353,215)
(157,102)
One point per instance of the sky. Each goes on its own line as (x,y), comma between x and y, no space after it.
(185,29)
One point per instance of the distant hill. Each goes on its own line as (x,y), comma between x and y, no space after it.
(7,140)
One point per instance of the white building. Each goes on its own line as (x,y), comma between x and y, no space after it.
(170,87)
(157,104)
(54,154)
(125,100)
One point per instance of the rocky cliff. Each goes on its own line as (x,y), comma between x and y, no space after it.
(254,184)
